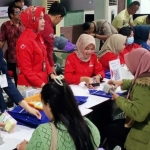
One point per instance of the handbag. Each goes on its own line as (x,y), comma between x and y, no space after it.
(54,137)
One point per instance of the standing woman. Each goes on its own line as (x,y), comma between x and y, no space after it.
(111,50)
(33,65)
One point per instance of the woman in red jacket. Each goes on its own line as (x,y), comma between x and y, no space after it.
(31,52)
(130,45)
(111,50)
(83,64)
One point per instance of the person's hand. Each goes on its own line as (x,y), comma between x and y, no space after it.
(34,112)
(97,79)
(115,83)
(87,80)
(2,125)
(92,34)
(22,145)
(114,95)
(42,85)
(52,76)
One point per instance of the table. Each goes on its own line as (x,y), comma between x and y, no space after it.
(12,139)
(93,100)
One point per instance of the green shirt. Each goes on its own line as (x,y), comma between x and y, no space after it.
(41,137)
(139,110)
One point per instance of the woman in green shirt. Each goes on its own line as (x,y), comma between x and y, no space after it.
(73,131)
(137,104)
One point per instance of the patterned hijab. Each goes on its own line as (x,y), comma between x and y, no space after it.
(141,62)
(113,44)
(83,41)
(30,17)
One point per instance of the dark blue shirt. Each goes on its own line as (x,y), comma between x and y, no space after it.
(11,90)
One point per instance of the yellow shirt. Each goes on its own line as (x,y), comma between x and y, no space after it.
(141,20)
(122,19)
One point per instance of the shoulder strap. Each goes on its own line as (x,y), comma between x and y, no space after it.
(54,137)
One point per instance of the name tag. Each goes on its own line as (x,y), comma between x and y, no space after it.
(3,81)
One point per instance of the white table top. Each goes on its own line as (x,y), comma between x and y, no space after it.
(11,140)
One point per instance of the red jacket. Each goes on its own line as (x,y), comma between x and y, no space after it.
(104,60)
(48,36)
(128,49)
(31,53)
(75,68)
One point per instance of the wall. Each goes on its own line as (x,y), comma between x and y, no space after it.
(144,8)
(74,18)
(112,9)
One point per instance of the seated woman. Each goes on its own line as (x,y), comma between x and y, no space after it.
(137,104)
(69,129)
(83,64)
(33,64)
(142,36)
(111,50)
(130,45)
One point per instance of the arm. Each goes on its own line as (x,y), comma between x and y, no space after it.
(24,57)
(48,36)
(3,35)
(131,22)
(126,84)
(119,23)
(101,37)
(138,107)
(69,72)
(98,69)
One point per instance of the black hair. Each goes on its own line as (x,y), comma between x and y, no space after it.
(126,31)
(65,110)
(148,17)
(134,3)
(57,9)
(86,26)
(11,9)
(18,1)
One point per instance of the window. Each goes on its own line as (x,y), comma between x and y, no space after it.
(113,2)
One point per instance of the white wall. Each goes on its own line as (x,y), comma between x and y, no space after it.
(2,20)
(144,8)
(112,9)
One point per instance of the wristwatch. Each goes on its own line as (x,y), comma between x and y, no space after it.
(95,35)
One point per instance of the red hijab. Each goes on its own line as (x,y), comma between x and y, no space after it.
(30,17)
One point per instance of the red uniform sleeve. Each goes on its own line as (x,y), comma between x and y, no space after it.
(24,57)
(98,69)
(49,68)
(48,36)
(69,72)
(104,60)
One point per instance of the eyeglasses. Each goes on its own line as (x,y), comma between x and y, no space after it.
(17,12)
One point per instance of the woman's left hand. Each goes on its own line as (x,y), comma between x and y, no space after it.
(97,78)
(114,95)
(34,112)
(22,145)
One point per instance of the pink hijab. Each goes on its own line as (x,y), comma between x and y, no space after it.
(138,61)
(83,41)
